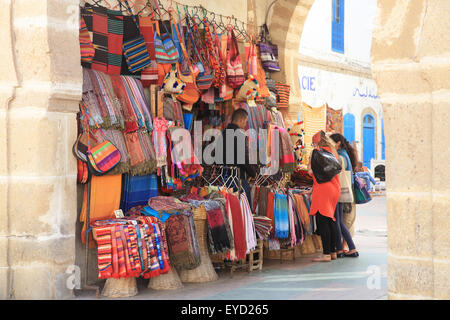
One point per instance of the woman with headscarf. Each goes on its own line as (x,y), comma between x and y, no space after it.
(325,197)
(348,162)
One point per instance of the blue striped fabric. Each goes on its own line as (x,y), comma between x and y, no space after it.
(138,190)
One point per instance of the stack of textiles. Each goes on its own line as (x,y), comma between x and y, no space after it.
(262,227)
(301,178)
(131,247)
(177,217)
(137,190)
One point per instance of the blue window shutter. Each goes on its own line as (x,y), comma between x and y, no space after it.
(337,26)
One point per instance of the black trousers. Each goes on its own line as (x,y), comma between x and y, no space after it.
(328,233)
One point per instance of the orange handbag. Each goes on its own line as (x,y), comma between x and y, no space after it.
(190,94)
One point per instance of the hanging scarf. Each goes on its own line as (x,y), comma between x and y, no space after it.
(159,141)
(270,208)
(137,157)
(303,211)
(291,222)
(281,216)
(130,119)
(240,244)
(249,224)
(262,201)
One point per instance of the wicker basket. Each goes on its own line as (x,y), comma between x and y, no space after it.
(166,281)
(120,288)
(205,271)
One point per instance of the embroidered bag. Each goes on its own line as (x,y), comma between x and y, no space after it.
(268,51)
(235,73)
(135,50)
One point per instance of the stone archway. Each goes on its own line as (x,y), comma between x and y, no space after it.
(410,64)
(41,85)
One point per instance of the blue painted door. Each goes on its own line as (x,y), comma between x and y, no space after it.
(368,139)
(349,127)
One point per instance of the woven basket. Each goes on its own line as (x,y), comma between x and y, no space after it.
(166,281)
(120,288)
(199,213)
(205,271)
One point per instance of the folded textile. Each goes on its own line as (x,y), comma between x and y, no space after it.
(138,190)
(262,226)
(168,204)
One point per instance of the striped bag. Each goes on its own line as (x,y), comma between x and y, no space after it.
(235,72)
(87,50)
(102,158)
(135,50)
(165,50)
(149,75)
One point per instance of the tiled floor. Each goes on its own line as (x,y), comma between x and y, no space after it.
(362,278)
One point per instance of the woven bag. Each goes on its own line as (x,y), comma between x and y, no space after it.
(235,72)
(135,50)
(268,51)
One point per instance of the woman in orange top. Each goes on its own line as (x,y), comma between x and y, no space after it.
(325,197)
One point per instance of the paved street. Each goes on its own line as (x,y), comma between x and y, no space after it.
(362,278)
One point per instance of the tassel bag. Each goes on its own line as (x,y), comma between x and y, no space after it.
(268,51)
(135,50)
(235,72)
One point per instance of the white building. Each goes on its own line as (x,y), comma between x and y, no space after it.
(334,68)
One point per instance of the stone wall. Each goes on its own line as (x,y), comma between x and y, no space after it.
(40,90)
(411,64)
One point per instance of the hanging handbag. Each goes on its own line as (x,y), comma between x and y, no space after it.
(135,50)
(225,91)
(149,75)
(172,84)
(360,191)
(268,51)
(324,165)
(205,76)
(165,50)
(101,156)
(82,172)
(345,180)
(235,73)
(190,93)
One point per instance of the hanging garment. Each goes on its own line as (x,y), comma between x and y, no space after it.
(335,120)
(249,224)
(240,244)
(292,232)
(281,216)
(271,209)
(160,126)
(104,199)
(303,211)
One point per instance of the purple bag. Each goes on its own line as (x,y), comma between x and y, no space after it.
(268,51)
